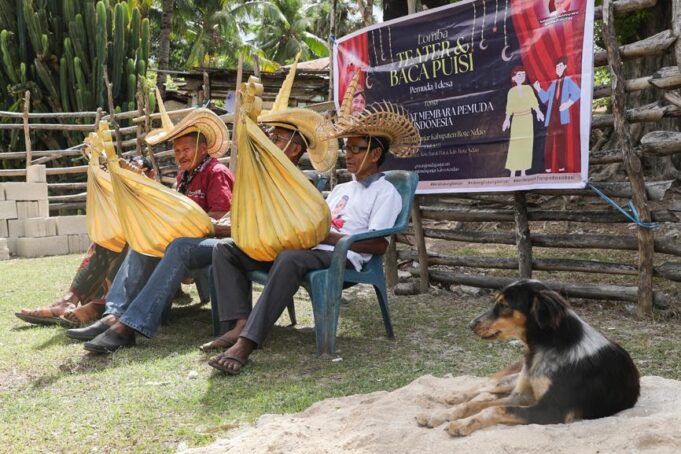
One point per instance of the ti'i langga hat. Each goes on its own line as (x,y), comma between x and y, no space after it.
(382,119)
(322,154)
(200,120)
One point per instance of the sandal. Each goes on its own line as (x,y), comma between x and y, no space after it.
(82,315)
(221,343)
(48,315)
(229,371)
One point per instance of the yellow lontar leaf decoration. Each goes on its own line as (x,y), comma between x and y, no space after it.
(151,214)
(274,206)
(103,225)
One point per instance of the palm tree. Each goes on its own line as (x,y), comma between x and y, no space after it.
(286,30)
(164,46)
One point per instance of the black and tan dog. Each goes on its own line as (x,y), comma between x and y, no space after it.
(570,370)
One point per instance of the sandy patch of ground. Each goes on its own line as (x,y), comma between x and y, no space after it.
(383,422)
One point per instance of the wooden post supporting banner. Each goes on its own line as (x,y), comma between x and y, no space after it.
(424,281)
(390,263)
(632,163)
(522,236)
(237,105)
(27,130)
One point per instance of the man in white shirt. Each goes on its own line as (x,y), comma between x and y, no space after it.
(368,202)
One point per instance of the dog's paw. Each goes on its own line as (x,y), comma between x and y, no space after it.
(459,428)
(431,420)
(456,398)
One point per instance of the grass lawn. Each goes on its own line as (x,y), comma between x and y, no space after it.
(55,398)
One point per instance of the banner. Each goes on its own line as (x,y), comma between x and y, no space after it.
(500,90)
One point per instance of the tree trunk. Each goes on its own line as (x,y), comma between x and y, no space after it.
(164,45)
(366,9)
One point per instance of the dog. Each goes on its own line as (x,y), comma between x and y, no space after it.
(570,370)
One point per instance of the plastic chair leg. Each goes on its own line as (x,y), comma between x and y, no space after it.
(326,310)
(382,295)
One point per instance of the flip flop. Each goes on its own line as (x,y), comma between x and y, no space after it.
(220,343)
(215,365)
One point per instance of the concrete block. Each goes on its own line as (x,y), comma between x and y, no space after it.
(4,254)
(40,227)
(25,191)
(27,210)
(12,245)
(40,247)
(8,209)
(4,230)
(3,243)
(2,192)
(71,225)
(16,228)
(43,209)
(79,244)
(36,174)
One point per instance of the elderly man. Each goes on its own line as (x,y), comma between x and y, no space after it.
(144,313)
(368,202)
(201,178)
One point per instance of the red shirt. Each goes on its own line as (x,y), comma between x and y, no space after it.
(211,188)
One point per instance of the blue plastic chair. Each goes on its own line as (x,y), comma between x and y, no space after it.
(325,286)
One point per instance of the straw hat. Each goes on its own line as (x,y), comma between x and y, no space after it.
(385,120)
(322,154)
(200,120)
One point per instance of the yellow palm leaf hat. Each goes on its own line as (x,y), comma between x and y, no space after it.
(201,120)
(322,153)
(382,119)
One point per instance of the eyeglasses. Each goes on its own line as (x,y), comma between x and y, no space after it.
(356,149)
(279,138)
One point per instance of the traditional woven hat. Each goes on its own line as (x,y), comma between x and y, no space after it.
(200,120)
(322,154)
(383,119)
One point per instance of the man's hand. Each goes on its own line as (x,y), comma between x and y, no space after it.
(374,246)
(222,231)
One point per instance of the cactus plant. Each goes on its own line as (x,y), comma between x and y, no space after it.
(59,50)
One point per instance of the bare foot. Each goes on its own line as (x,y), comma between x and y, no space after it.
(226,340)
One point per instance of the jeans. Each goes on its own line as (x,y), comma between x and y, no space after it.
(129,281)
(182,257)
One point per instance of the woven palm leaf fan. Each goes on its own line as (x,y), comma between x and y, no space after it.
(151,214)
(274,206)
(103,225)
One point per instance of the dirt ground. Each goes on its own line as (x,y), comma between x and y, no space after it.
(383,422)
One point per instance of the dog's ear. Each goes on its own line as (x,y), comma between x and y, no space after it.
(548,309)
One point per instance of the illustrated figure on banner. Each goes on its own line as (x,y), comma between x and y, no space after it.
(560,96)
(520,103)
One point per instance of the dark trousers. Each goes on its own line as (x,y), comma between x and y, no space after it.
(233,289)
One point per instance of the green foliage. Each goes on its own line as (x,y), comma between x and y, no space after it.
(59,50)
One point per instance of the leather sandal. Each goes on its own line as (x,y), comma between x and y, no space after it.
(82,315)
(48,315)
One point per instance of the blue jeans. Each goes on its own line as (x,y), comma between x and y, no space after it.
(182,256)
(129,281)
